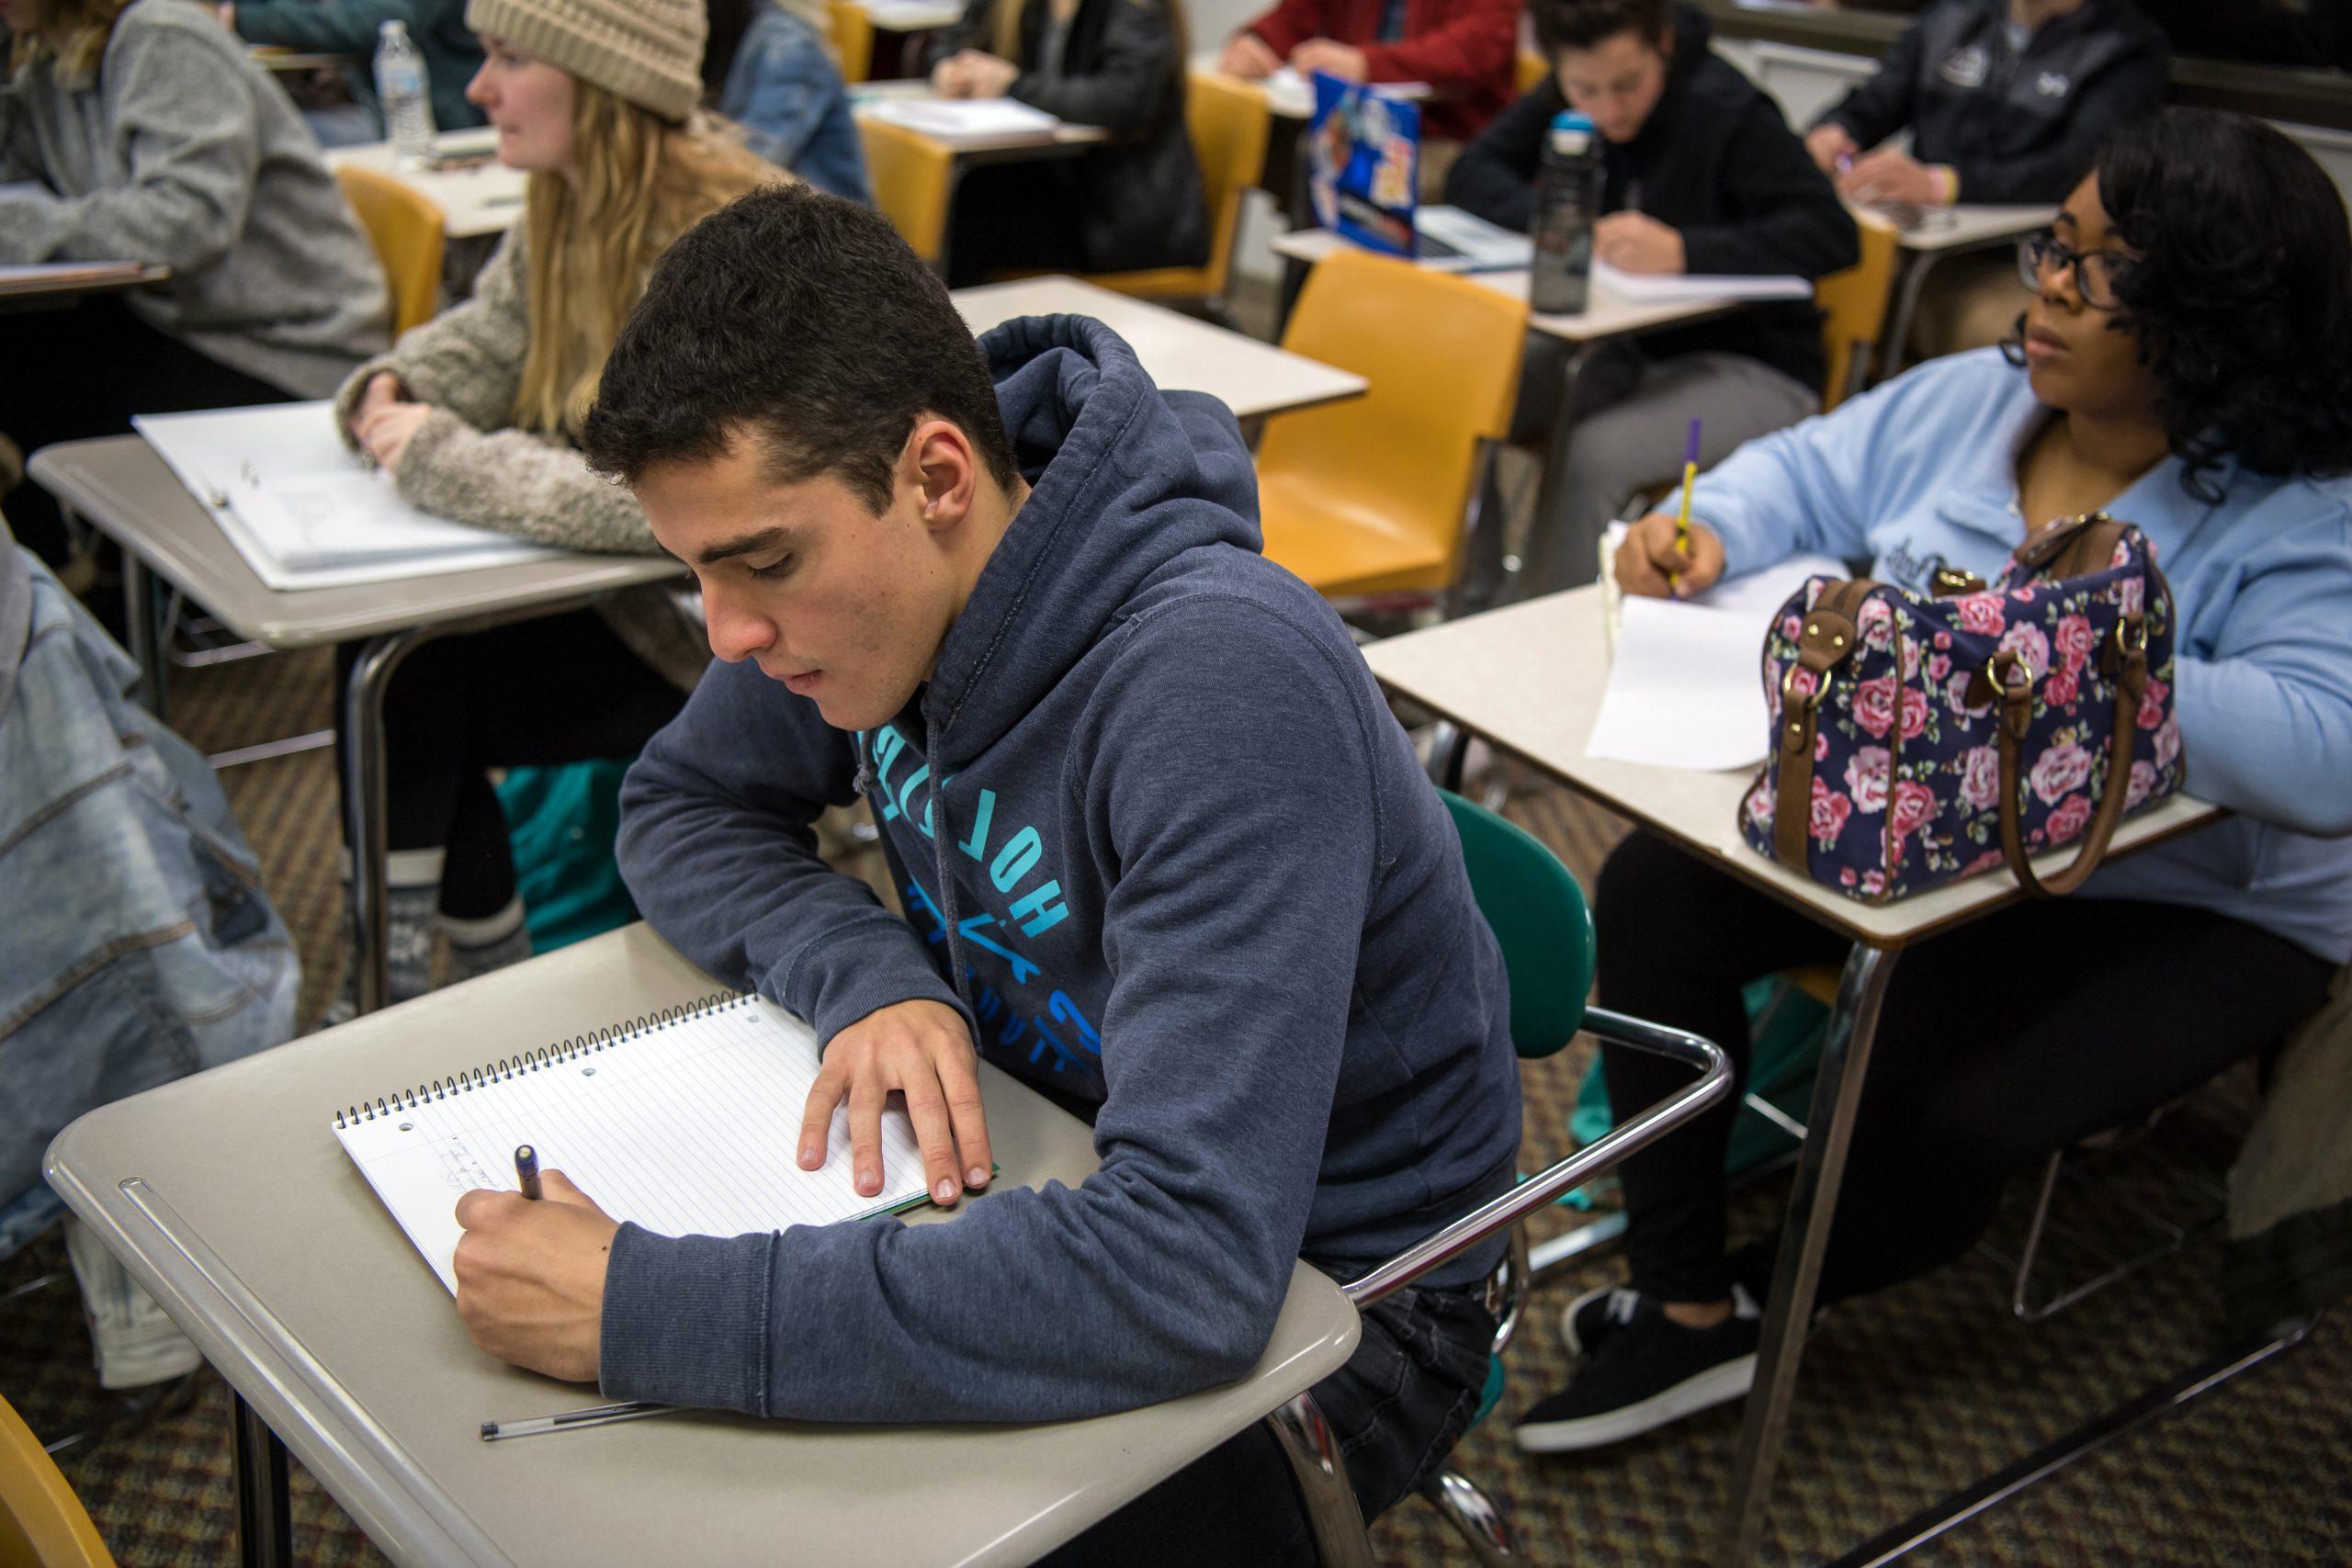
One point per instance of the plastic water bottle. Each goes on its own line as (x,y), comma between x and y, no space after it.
(1567,203)
(400,86)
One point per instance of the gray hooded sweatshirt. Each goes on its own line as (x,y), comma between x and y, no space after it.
(185,153)
(1162,843)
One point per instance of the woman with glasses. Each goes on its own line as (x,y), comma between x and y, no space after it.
(2185,362)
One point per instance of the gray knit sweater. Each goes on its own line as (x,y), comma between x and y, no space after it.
(185,153)
(469,463)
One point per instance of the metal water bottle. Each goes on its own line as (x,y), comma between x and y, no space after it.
(1568,203)
(400,87)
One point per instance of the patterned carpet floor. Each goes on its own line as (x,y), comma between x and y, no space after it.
(1906,1396)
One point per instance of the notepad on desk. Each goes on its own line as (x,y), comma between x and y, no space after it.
(301,509)
(686,1124)
(1696,288)
(961,122)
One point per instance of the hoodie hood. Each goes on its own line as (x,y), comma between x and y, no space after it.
(1127,480)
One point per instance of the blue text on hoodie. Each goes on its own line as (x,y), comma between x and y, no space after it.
(1151,809)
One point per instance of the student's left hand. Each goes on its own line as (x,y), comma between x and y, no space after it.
(1887,175)
(986,77)
(531,1276)
(1636,242)
(1330,57)
(384,433)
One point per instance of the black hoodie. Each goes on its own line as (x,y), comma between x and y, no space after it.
(1715,161)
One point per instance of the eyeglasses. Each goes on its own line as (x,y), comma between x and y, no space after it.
(2098,274)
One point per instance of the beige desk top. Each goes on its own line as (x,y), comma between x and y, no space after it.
(1964,227)
(123,489)
(231,1200)
(1607,315)
(1181,353)
(40,290)
(1529,679)
(486,198)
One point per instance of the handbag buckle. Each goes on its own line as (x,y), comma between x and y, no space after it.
(1812,700)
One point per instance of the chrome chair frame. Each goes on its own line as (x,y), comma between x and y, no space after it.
(1333,1516)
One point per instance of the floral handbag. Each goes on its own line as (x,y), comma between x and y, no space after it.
(1919,740)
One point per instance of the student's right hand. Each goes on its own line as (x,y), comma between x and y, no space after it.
(952,77)
(382,390)
(1828,144)
(924,1051)
(1248,55)
(1648,558)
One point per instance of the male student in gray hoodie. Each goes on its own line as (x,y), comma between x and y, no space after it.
(1161,849)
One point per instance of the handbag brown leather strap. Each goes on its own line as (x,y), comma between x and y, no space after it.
(2126,660)
(1830,635)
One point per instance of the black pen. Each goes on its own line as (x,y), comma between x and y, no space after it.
(526,1171)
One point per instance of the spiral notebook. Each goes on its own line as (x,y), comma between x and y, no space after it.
(685,1121)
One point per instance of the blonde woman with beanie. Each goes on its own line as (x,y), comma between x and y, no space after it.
(474,416)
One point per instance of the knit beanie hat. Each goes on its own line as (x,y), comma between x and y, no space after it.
(647,52)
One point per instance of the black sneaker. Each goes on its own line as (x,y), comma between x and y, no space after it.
(1587,1321)
(1646,1372)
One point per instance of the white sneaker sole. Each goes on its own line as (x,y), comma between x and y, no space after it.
(1704,1391)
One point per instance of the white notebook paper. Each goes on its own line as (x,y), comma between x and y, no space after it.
(1695,287)
(1684,689)
(301,509)
(687,1123)
(964,122)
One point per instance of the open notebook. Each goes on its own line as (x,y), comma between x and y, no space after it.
(685,1122)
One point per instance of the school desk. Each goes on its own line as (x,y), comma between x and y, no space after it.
(1938,234)
(38,292)
(1529,678)
(482,196)
(120,487)
(229,1199)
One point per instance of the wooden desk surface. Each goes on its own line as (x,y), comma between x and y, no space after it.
(231,1200)
(1529,679)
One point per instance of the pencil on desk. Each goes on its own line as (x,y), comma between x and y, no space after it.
(1682,518)
(565,1421)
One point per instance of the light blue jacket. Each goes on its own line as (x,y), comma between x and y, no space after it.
(786,94)
(1922,472)
(136,944)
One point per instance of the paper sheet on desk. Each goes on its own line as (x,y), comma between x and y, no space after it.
(300,509)
(1683,690)
(1705,288)
(955,120)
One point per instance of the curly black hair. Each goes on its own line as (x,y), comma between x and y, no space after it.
(2243,303)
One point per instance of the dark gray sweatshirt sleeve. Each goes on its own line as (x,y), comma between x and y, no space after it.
(719,848)
(1240,841)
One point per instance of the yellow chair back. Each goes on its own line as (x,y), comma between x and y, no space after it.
(1854,306)
(1229,123)
(1532,69)
(406,229)
(852,39)
(911,176)
(42,1524)
(1371,495)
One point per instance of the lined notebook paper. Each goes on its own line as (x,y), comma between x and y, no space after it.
(685,1122)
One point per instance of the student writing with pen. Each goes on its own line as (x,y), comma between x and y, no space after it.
(1701,175)
(1161,848)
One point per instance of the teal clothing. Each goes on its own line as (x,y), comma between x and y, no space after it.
(452,54)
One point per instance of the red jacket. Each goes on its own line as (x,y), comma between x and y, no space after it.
(1467,51)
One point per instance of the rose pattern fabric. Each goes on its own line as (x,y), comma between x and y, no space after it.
(1907,774)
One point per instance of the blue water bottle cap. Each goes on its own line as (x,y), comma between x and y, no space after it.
(1572,119)
(1571,134)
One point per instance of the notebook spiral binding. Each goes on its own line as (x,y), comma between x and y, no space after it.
(559,1052)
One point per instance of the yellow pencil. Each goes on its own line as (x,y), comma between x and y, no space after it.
(1682,519)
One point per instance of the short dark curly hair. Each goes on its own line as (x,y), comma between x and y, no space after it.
(2243,303)
(801,320)
(1580,24)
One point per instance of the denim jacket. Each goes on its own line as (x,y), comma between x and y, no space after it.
(137,945)
(786,94)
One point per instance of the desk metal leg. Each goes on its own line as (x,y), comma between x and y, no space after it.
(1805,1241)
(1894,341)
(2039,1466)
(143,626)
(1535,559)
(1332,1513)
(364,831)
(264,1505)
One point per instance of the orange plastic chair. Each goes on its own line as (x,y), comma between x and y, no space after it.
(407,231)
(1854,304)
(913,178)
(1372,495)
(42,1524)
(852,39)
(1228,122)
(1532,69)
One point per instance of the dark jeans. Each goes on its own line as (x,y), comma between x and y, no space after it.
(1999,1042)
(82,371)
(1397,1408)
(560,689)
